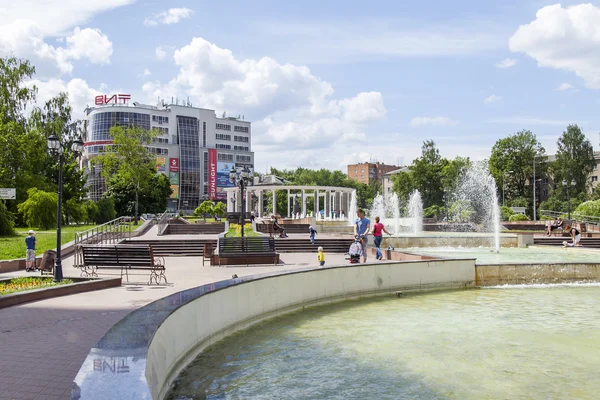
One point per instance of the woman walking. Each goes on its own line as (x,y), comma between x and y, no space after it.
(378,230)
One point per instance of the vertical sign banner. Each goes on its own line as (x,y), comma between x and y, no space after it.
(161,164)
(174,165)
(175,194)
(174,178)
(212,174)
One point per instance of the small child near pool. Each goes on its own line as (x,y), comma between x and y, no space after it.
(321,256)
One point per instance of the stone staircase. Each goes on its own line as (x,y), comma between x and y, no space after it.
(289,245)
(195,229)
(176,248)
(593,242)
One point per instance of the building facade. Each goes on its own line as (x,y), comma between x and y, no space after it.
(369,172)
(195,149)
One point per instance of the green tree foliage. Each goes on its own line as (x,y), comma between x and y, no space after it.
(39,210)
(588,209)
(518,217)
(427,174)
(152,196)
(106,210)
(574,162)
(205,208)
(434,211)
(506,213)
(220,209)
(131,161)
(77,211)
(91,211)
(7,221)
(511,163)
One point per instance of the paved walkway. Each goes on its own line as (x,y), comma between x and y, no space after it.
(44,343)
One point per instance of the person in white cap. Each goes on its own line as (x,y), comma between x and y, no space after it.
(30,256)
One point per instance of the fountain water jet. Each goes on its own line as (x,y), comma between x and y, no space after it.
(476,201)
(415,212)
(353,208)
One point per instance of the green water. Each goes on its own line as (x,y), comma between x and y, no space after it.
(504,343)
(513,255)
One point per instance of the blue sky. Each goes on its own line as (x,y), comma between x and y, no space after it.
(327,83)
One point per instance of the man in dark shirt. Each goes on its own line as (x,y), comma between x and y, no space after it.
(30,255)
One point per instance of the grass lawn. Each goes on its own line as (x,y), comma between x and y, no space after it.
(235,231)
(12,247)
(28,283)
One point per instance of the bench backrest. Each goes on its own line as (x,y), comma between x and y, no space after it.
(117,255)
(247,244)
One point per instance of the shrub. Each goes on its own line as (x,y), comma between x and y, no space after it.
(589,209)
(39,210)
(518,217)
(506,213)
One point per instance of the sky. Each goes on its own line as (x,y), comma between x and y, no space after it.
(328,83)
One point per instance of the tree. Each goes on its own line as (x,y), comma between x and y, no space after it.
(511,163)
(39,210)
(77,211)
(588,209)
(402,184)
(427,174)
(130,159)
(152,197)
(574,162)
(220,209)
(205,208)
(7,221)
(91,210)
(106,211)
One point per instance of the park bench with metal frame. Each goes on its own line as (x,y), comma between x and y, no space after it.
(247,250)
(122,257)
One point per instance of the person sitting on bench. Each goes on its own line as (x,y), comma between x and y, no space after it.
(278,228)
(558,224)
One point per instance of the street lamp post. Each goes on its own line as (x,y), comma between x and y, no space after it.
(503,176)
(241,178)
(58,150)
(565,184)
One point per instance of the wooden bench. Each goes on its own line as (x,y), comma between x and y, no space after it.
(265,227)
(247,250)
(124,258)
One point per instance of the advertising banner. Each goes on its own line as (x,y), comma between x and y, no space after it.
(174,178)
(212,174)
(174,165)
(175,194)
(161,164)
(223,170)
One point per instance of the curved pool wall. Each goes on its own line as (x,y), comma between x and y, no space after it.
(140,356)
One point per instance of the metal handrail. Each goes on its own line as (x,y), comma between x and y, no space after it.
(108,233)
(163,222)
(588,219)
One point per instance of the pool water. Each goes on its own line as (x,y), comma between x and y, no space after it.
(500,343)
(513,255)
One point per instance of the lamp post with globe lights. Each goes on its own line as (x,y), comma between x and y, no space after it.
(241,178)
(58,149)
(565,184)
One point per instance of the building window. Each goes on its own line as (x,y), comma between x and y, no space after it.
(161,140)
(204,134)
(224,157)
(223,146)
(594,167)
(245,159)
(224,127)
(100,123)
(158,151)
(545,192)
(245,139)
(594,178)
(161,130)
(160,119)
(545,181)
(190,176)
(240,129)
(223,136)
(241,148)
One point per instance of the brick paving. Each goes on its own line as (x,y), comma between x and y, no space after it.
(44,343)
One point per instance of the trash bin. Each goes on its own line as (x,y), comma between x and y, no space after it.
(48,260)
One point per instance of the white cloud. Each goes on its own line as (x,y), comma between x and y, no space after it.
(290,107)
(147,72)
(171,16)
(432,121)
(563,38)
(563,87)
(526,121)
(80,93)
(56,17)
(91,44)
(160,52)
(507,63)
(492,99)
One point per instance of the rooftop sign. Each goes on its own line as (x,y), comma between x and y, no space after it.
(103,99)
